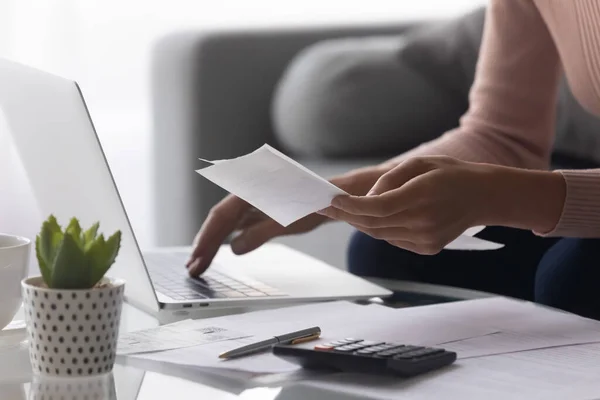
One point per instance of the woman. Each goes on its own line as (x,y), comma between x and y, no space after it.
(491,170)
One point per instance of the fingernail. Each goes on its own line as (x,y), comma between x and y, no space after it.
(194,267)
(238,245)
(371,193)
(322,212)
(189,261)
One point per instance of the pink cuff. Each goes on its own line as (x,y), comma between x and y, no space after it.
(581,212)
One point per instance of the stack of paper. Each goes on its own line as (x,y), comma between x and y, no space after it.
(336,320)
(547,374)
(287,191)
(506,348)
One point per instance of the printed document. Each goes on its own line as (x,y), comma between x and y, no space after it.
(336,320)
(178,335)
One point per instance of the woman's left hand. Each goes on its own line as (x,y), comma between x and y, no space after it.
(425,203)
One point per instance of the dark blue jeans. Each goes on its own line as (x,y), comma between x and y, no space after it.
(562,273)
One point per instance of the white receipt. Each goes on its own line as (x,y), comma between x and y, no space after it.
(273,183)
(173,336)
(286,191)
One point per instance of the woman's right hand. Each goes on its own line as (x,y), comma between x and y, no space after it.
(255,228)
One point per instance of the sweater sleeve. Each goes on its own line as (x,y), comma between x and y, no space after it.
(581,212)
(511,117)
(512,103)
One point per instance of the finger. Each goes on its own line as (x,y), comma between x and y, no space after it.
(251,217)
(374,206)
(403,244)
(422,249)
(195,269)
(401,174)
(363,221)
(220,222)
(255,236)
(387,234)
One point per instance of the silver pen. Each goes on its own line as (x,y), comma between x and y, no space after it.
(288,338)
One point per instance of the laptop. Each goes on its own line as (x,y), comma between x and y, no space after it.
(51,129)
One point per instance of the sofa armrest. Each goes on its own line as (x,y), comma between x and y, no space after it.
(211,98)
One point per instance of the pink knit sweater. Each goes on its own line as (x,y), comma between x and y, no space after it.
(526,45)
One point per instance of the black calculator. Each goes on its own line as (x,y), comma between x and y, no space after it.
(367,356)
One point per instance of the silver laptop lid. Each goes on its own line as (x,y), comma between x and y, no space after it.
(54,136)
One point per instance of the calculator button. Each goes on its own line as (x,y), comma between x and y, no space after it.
(354,347)
(370,343)
(323,347)
(389,346)
(431,352)
(394,351)
(366,351)
(337,343)
(413,348)
(375,349)
(404,356)
(344,349)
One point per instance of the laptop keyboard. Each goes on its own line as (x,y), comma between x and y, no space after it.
(170,278)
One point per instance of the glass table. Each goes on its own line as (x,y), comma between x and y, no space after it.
(133,382)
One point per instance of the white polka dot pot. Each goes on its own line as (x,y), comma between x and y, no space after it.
(72,333)
(100,387)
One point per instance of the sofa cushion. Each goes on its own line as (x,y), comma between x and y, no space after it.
(355,97)
(446,52)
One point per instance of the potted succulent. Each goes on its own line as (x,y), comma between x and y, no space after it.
(73,311)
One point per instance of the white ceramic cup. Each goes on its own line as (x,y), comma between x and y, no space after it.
(14,260)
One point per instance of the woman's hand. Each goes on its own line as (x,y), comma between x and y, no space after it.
(424,203)
(255,228)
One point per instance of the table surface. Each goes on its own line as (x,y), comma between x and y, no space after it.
(127,382)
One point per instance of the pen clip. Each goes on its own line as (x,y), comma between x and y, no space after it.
(307,338)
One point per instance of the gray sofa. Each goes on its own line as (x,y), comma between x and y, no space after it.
(333,98)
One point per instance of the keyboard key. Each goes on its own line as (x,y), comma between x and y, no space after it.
(220,288)
(246,290)
(276,293)
(194,296)
(262,287)
(239,286)
(232,294)
(255,294)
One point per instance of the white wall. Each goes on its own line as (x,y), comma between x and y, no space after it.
(105,45)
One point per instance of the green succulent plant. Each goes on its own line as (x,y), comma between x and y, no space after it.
(73,258)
